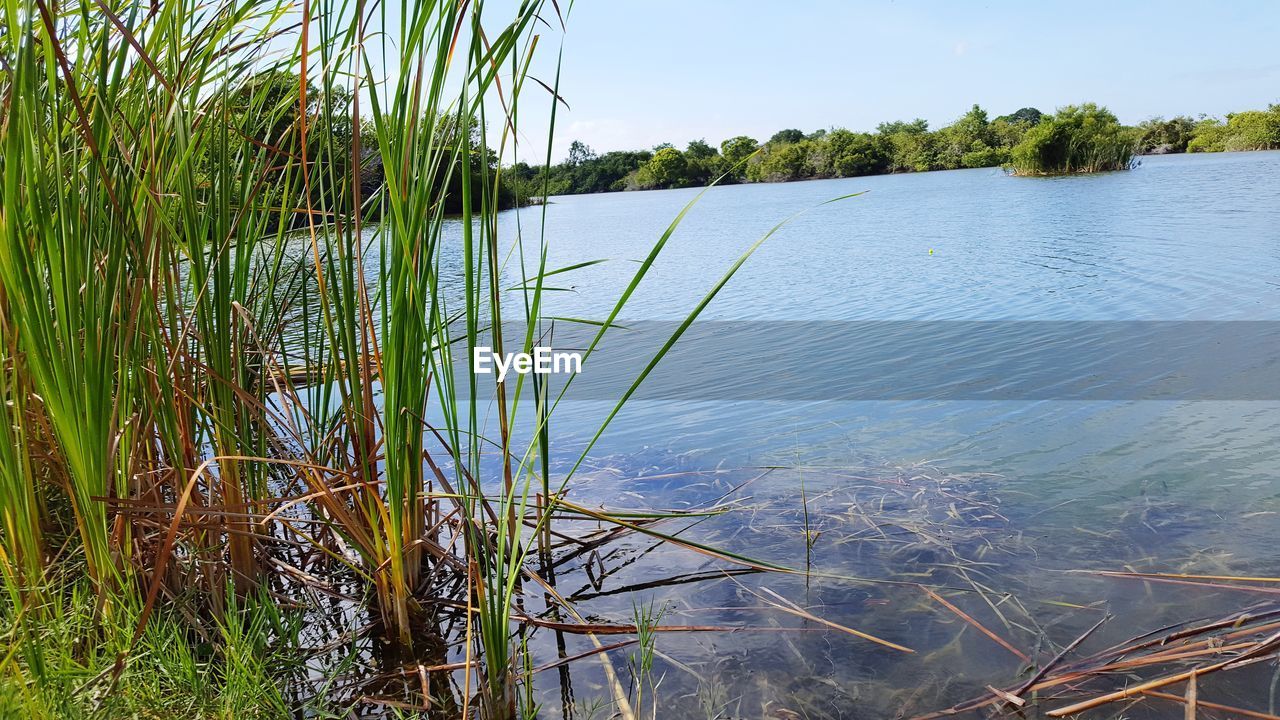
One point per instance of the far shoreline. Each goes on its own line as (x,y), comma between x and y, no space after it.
(551,199)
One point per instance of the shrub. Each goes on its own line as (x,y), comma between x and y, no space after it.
(843,153)
(666,169)
(735,151)
(1254,130)
(782,162)
(1166,136)
(980,156)
(1210,135)
(1248,130)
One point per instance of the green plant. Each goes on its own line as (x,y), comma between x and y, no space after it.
(65,661)
(229,361)
(1254,130)
(1083,138)
(667,168)
(1210,135)
(647,617)
(1166,136)
(782,161)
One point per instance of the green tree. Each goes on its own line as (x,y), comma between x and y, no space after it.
(911,147)
(1253,130)
(912,127)
(1165,136)
(1005,133)
(580,153)
(969,142)
(843,153)
(780,162)
(667,168)
(790,135)
(735,151)
(1027,115)
(704,163)
(700,150)
(980,155)
(1210,135)
(973,125)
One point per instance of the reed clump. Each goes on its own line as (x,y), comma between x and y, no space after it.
(227,369)
(1077,139)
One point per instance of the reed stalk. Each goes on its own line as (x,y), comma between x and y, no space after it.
(231,354)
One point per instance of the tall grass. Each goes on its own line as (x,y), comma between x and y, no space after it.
(234,368)
(1077,139)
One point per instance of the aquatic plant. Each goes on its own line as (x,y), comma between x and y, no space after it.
(1077,139)
(201,406)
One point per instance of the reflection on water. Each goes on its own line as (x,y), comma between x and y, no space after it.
(994,500)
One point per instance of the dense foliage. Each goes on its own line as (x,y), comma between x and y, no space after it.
(1159,136)
(904,146)
(1248,130)
(265,109)
(1080,137)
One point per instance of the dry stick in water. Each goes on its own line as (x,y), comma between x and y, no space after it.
(615,685)
(1185,576)
(1106,660)
(784,605)
(1263,648)
(1058,658)
(1194,583)
(1232,621)
(1192,691)
(967,618)
(1235,711)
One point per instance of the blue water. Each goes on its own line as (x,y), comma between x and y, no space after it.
(994,503)
(1182,237)
(1193,237)
(1154,485)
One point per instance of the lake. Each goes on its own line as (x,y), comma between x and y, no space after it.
(995,498)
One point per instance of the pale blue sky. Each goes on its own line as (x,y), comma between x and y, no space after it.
(640,72)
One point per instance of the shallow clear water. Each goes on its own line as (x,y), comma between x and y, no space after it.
(1152,485)
(991,502)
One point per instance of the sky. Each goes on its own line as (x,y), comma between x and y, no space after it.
(641,72)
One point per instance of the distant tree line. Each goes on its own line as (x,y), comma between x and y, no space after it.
(1078,138)
(1248,130)
(265,109)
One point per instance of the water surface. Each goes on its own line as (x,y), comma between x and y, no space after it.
(995,504)
(1185,486)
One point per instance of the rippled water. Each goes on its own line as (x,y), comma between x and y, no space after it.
(991,502)
(1155,485)
(1192,237)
